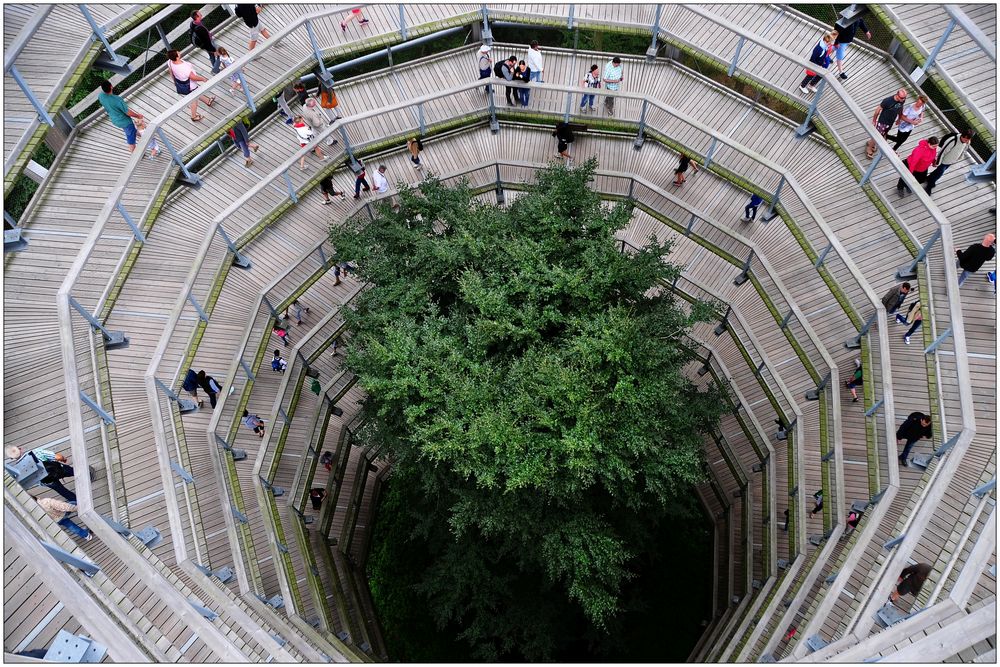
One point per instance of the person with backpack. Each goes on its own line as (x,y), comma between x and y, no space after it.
(913,317)
(591,80)
(564,133)
(278,365)
(186,82)
(505,70)
(485,64)
(202,38)
(254,423)
(951,150)
(360,182)
(414,145)
(918,162)
(211,387)
(250,15)
(241,138)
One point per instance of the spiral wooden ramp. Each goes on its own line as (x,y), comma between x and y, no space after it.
(206,547)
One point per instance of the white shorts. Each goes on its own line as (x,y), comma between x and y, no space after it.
(255,32)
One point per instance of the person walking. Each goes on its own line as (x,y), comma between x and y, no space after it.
(522,74)
(918,162)
(845,35)
(820,56)
(317,121)
(120,115)
(211,387)
(305,135)
(414,145)
(326,187)
(857,379)
(818,502)
(911,116)
(241,138)
(190,385)
(250,13)
(59,510)
(536,65)
(916,426)
(278,364)
(202,38)
(612,81)
(750,210)
(225,62)
(254,423)
(564,133)
(911,580)
(895,297)
(591,80)
(298,309)
(951,150)
(316,496)
(360,182)
(379,181)
(505,70)
(281,332)
(186,82)
(354,15)
(972,258)
(55,465)
(682,167)
(485,64)
(885,116)
(914,317)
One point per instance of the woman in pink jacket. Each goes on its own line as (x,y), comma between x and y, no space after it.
(919,161)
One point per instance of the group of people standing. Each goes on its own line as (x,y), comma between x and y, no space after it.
(532,68)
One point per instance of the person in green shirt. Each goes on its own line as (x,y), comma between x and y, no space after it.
(120,114)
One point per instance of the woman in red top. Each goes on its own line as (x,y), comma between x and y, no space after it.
(919,161)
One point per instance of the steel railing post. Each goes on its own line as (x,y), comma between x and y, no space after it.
(871,168)
(909,272)
(736,56)
(114,61)
(112,339)
(23,85)
(940,44)
(324,74)
(651,51)
(246,91)
(291,188)
(188,178)
(775,198)
(804,128)
(402,21)
(136,232)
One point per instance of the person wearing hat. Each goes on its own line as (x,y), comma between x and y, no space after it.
(485,65)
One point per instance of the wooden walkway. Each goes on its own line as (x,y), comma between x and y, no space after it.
(145,299)
(960,64)
(54,51)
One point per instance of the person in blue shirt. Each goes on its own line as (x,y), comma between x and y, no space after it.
(119,113)
(820,56)
(750,210)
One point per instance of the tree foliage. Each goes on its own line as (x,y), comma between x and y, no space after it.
(524,376)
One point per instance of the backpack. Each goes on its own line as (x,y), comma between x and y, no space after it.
(328,99)
(498,69)
(276,364)
(946,141)
(420,144)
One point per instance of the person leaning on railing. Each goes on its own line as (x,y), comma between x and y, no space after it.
(916,426)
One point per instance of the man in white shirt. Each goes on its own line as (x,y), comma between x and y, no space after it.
(536,66)
(382,184)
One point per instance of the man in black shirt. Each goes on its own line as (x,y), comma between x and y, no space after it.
(249,14)
(564,133)
(886,114)
(505,70)
(972,258)
(916,426)
(202,38)
(845,35)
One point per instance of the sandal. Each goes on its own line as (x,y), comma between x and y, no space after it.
(196,118)
(211,101)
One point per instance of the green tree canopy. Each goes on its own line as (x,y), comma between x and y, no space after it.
(524,377)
